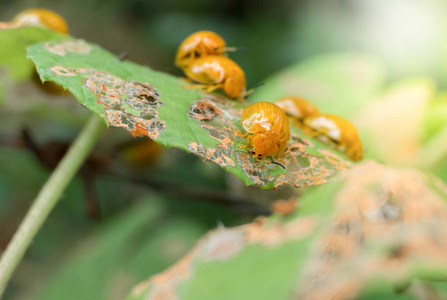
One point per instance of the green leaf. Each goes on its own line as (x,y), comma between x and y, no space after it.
(154,104)
(435,116)
(13,50)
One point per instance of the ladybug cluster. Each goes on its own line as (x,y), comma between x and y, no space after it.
(203,58)
(331,129)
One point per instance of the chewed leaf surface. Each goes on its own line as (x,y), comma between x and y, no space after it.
(371,234)
(150,103)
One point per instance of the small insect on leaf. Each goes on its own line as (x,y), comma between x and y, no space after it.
(202,57)
(199,44)
(215,71)
(268,130)
(45,17)
(338,131)
(297,109)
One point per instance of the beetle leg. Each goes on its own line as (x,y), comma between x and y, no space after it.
(242,96)
(248,141)
(212,88)
(196,86)
(192,55)
(206,88)
(238,133)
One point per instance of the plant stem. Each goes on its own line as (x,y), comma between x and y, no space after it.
(48,197)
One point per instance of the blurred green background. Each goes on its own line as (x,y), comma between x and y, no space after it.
(144,226)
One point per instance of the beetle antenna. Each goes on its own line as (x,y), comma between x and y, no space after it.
(277,163)
(234,49)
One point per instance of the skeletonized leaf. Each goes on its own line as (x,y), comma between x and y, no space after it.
(154,104)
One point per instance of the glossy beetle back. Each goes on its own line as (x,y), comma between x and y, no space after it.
(297,107)
(220,71)
(269,128)
(197,45)
(38,16)
(340,131)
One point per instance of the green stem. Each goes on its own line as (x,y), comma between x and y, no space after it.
(434,151)
(48,197)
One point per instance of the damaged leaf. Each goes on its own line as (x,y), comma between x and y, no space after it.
(375,232)
(153,104)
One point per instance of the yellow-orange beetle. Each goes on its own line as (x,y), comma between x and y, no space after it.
(197,45)
(335,129)
(50,19)
(45,17)
(216,71)
(297,108)
(267,128)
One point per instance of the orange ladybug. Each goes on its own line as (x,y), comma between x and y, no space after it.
(297,108)
(200,44)
(267,128)
(216,71)
(335,129)
(45,17)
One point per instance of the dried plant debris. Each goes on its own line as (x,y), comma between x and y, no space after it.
(128,104)
(387,226)
(221,120)
(221,245)
(284,207)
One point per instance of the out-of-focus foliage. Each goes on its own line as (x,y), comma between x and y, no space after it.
(371,233)
(435,116)
(111,259)
(339,84)
(13,51)
(392,126)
